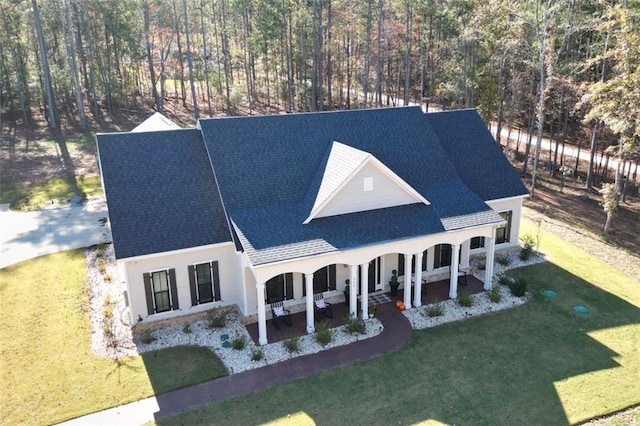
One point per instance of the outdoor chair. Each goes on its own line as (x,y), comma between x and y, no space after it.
(278,312)
(322,307)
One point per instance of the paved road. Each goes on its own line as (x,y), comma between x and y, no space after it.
(25,235)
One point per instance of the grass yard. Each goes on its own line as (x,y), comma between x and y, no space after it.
(27,197)
(540,364)
(48,371)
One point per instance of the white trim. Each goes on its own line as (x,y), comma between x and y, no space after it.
(151,271)
(515,197)
(370,159)
(173,252)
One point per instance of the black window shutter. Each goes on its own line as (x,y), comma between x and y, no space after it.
(216,281)
(424,260)
(174,289)
(332,277)
(288,286)
(192,285)
(400,264)
(148,292)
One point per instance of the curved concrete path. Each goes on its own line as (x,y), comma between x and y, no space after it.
(397,331)
(25,235)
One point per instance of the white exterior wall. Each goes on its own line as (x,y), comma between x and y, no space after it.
(229,270)
(515,205)
(353,198)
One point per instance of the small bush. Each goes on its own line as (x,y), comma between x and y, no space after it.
(147,336)
(99,250)
(324,334)
(494,294)
(291,344)
(482,265)
(518,288)
(107,327)
(107,307)
(257,354)
(239,342)
(186,328)
(435,310)
(106,278)
(217,318)
(372,311)
(465,299)
(527,247)
(505,279)
(102,266)
(354,325)
(503,259)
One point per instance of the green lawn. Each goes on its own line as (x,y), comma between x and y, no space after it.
(26,196)
(540,364)
(48,371)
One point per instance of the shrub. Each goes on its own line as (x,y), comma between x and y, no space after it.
(372,311)
(354,325)
(494,294)
(147,336)
(503,259)
(518,287)
(435,310)
(291,344)
(527,247)
(324,334)
(217,318)
(239,342)
(504,279)
(465,299)
(257,354)
(102,266)
(186,328)
(482,265)
(99,250)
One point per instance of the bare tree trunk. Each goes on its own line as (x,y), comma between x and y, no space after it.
(315,58)
(207,58)
(51,105)
(594,149)
(329,65)
(378,90)
(189,61)
(183,90)
(152,71)
(367,54)
(407,66)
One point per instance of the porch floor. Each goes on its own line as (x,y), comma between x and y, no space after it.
(436,291)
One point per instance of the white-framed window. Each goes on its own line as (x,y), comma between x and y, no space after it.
(161,292)
(503,232)
(204,283)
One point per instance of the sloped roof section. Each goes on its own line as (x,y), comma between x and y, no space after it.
(268,171)
(476,156)
(161,192)
(341,169)
(155,123)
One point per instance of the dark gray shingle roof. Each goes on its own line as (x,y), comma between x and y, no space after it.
(475,154)
(266,166)
(161,192)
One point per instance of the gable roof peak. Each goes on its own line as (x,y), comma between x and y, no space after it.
(343,164)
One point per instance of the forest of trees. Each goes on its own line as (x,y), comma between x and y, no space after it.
(566,68)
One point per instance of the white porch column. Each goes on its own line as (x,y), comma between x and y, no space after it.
(417,293)
(407,280)
(353,290)
(464,255)
(453,281)
(490,244)
(430,259)
(309,290)
(262,316)
(364,290)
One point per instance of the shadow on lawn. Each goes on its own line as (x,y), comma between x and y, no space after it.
(506,368)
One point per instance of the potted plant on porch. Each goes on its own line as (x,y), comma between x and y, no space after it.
(346,292)
(393,283)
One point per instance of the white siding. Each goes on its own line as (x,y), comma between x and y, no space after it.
(514,205)
(229,270)
(353,198)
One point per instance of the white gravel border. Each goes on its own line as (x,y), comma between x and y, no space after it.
(452,311)
(124,343)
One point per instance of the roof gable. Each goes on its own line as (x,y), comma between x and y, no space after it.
(354,180)
(155,123)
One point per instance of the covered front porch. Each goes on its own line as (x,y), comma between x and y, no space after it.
(431,292)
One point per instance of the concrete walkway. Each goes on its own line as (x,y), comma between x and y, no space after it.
(397,331)
(25,235)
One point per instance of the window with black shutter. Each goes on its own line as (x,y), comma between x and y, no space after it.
(204,282)
(161,291)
